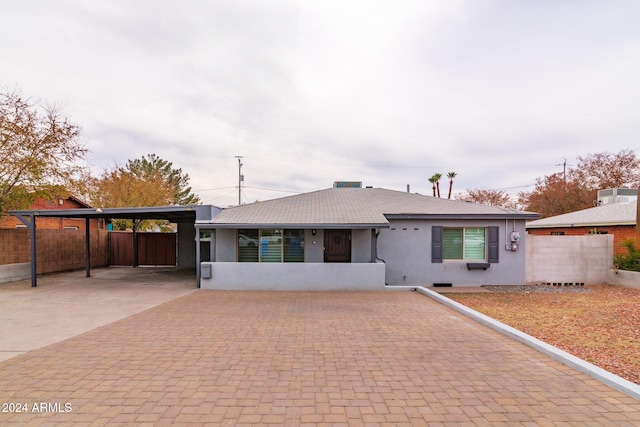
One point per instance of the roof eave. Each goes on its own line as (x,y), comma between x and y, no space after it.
(212,225)
(576,225)
(466,216)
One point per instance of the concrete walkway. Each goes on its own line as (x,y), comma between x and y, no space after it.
(301,358)
(65,305)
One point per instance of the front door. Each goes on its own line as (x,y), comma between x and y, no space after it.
(337,246)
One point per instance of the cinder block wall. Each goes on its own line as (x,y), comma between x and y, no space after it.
(620,233)
(14,246)
(569,259)
(57,250)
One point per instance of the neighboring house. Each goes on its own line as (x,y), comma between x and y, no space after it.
(70,202)
(615,218)
(363,238)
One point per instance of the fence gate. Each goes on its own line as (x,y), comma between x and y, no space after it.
(153,248)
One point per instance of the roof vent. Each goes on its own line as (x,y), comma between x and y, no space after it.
(347,184)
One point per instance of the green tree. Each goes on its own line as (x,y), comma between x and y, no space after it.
(148,181)
(40,150)
(451,175)
(433,180)
(437,177)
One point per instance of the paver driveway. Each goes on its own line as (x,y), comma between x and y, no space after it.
(300,358)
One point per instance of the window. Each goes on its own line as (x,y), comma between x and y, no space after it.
(271,245)
(465,243)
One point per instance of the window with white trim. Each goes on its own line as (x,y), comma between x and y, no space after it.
(464,243)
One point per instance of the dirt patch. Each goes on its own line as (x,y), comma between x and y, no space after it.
(597,323)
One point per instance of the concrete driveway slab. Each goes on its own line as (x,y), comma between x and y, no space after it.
(65,305)
(302,358)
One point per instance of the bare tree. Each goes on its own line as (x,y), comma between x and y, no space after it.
(576,189)
(484,196)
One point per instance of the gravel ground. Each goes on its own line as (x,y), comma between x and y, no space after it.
(539,288)
(597,323)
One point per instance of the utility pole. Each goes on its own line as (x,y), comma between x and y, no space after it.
(240,179)
(564,170)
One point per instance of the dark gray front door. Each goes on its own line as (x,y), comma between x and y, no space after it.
(337,246)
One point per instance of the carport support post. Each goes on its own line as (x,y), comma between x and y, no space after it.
(136,222)
(31,225)
(87,242)
(32,232)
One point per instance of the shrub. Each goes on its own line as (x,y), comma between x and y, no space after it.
(630,261)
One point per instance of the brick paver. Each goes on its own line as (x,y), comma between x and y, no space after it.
(302,358)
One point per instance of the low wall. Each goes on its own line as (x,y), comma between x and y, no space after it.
(293,276)
(569,259)
(13,272)
(629,279)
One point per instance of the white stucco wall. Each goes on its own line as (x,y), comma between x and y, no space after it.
(629,279)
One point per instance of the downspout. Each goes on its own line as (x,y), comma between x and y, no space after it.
(376,233)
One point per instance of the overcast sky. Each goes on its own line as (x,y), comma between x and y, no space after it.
(314,91)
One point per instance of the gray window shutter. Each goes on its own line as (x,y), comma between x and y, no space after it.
(494,244)
(436,243)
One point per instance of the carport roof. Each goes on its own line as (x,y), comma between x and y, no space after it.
(186,213)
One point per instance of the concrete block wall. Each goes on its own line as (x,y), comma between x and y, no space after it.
(620,233)
(569,259)
(57,250)
(14,246)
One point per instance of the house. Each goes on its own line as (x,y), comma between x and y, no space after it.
(617,218)
(40,204)
(362,238)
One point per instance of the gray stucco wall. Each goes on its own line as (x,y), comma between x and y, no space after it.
(406,249)
(313,246)
(361,245)
(225,245)
(294,276)
(186,245)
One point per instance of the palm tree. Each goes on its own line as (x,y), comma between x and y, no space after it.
(437,176)
(433,180)
(451,175)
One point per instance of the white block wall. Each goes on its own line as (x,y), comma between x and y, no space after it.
(569,259)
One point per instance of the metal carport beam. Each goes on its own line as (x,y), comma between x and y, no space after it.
(31,225)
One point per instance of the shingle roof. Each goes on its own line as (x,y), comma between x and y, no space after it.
(609,214)
(354,207)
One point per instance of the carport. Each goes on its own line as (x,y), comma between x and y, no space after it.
(184,216)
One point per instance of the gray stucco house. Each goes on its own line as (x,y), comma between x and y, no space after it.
(362,238)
